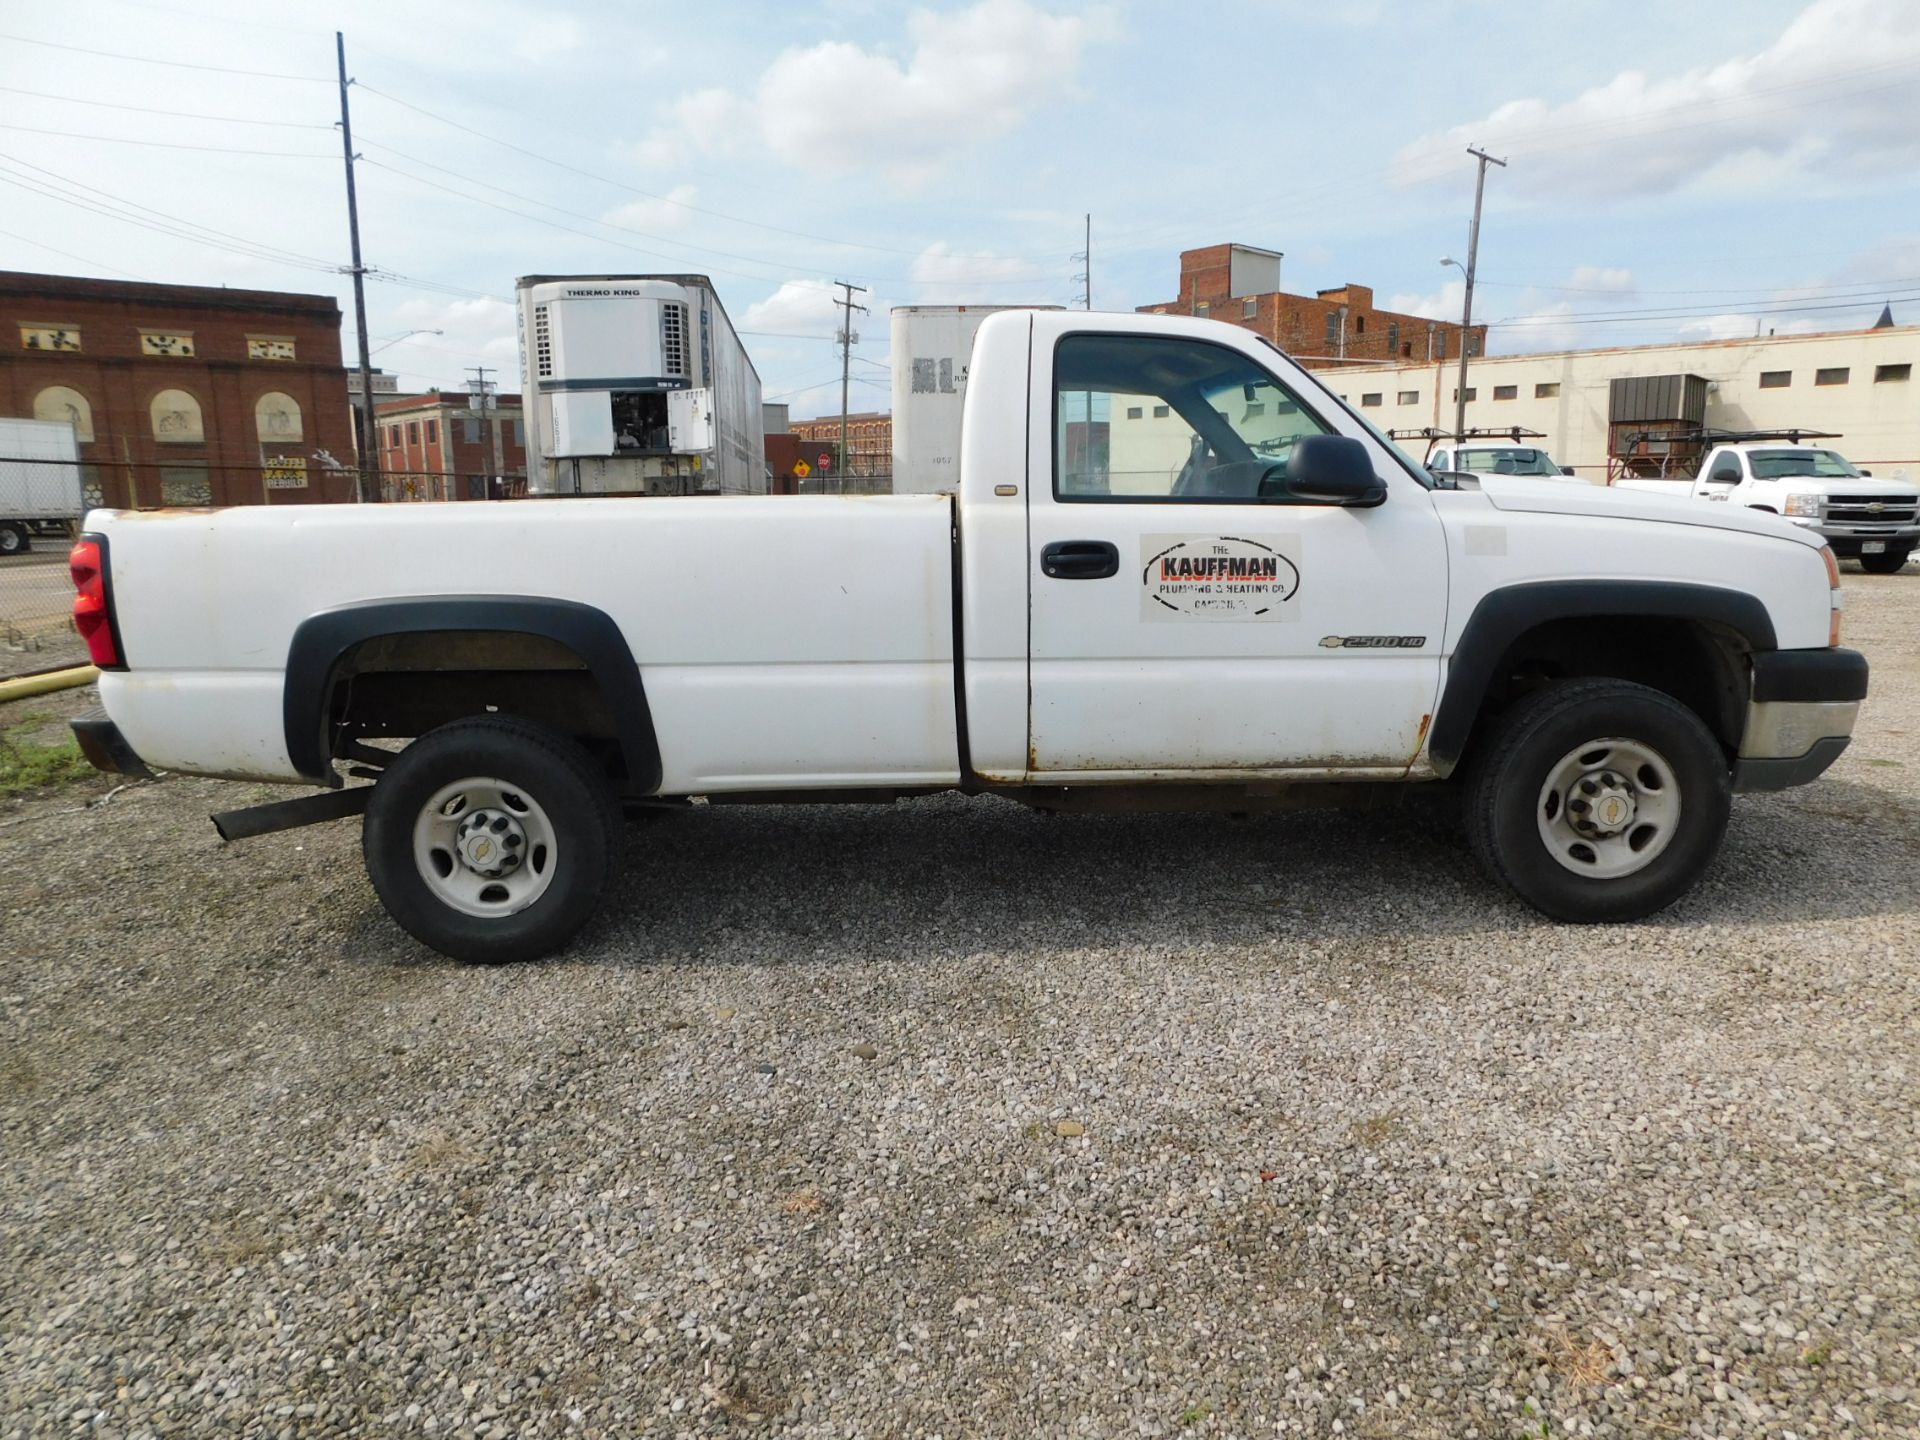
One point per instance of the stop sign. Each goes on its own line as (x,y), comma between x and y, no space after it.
(826,461)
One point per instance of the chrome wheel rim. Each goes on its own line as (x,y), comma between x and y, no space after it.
(1609,808)
(484,847)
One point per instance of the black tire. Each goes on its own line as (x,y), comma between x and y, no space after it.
(14,539)
(1889,563)
(557,774)
(1526,745)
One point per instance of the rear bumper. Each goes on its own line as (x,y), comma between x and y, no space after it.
(1801,716)
(105,747)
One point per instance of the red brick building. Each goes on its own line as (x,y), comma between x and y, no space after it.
(1241,285)
(182,394)
(437,447)
(869,441)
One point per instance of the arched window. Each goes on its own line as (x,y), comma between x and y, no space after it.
(277,418)
(60,402)
(176,418)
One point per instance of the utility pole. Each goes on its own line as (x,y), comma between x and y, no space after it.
(487,407)
(1466,310)
(369,486)
(845,302)
(1086,269)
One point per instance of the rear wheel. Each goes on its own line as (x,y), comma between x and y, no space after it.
(1598,800)
(14,539)
(1888,563)
(491,839)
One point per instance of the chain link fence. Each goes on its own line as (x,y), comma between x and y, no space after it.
(36,603)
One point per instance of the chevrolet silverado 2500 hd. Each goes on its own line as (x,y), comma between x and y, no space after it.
(1177,571)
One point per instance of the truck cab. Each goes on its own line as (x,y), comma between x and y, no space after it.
(1876,522)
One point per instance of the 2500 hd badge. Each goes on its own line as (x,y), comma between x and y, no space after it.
(1219,577)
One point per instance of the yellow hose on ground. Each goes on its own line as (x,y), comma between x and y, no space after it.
(43,684)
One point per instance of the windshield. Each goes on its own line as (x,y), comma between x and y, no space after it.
(1507,460)
(1777,464)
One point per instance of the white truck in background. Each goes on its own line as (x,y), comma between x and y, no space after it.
(1487,452)
(40,486)
(1876,522)
(932,346)
(1278,610)
(636,385)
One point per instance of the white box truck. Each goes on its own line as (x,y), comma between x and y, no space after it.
(932,348)
(636,385)
(40,491)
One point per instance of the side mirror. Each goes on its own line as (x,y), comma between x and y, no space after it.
(1332,470)
(1566,470)
(1867,473)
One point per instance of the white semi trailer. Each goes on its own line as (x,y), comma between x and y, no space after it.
(40,487)
(932,348)
(636,385)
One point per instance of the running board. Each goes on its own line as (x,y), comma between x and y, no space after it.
(292,814)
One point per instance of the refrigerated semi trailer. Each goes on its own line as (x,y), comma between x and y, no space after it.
(636,385)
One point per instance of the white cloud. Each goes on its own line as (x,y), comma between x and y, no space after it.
(835,107)
(668,212)
(1831,98)
(1735,326)
(473,332)
(799,307)
(1443,304)
(949,277)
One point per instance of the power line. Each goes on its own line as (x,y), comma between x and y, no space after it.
(1781,304)
(779,269)
(218,238)
(69,255)
(175,114)
(176,231)
(632,189)
(172,64)
(165,144)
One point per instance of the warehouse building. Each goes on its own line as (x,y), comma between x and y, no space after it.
(182,394)
(1856,384)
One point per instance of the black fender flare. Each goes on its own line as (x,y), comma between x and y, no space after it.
(1504,615)
(322,641)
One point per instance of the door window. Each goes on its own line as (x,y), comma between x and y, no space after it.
(1220,427)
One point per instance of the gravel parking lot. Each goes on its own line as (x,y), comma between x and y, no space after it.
(952,1119)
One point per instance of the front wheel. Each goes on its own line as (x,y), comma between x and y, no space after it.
(491,839)
(1598,800)
(1889,562)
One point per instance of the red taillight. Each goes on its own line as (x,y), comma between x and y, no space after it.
(92,613)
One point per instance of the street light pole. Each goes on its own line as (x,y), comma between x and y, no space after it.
(1466,309)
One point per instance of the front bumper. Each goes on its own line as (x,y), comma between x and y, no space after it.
(105,747)
(1801,716)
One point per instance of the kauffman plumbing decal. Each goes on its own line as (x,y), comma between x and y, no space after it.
(1219,577)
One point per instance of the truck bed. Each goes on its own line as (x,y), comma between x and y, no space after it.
(784,642)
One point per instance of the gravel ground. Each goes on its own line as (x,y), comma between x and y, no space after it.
(956,1120)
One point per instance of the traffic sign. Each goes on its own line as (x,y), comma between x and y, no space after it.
(802,469)
(826,461)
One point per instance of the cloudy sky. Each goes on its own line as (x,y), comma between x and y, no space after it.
(1675,170)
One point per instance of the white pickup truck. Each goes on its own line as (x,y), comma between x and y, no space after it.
(1177,572)
(1876,522)
(1497,457)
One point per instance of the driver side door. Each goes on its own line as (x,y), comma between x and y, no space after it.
(1187,617)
